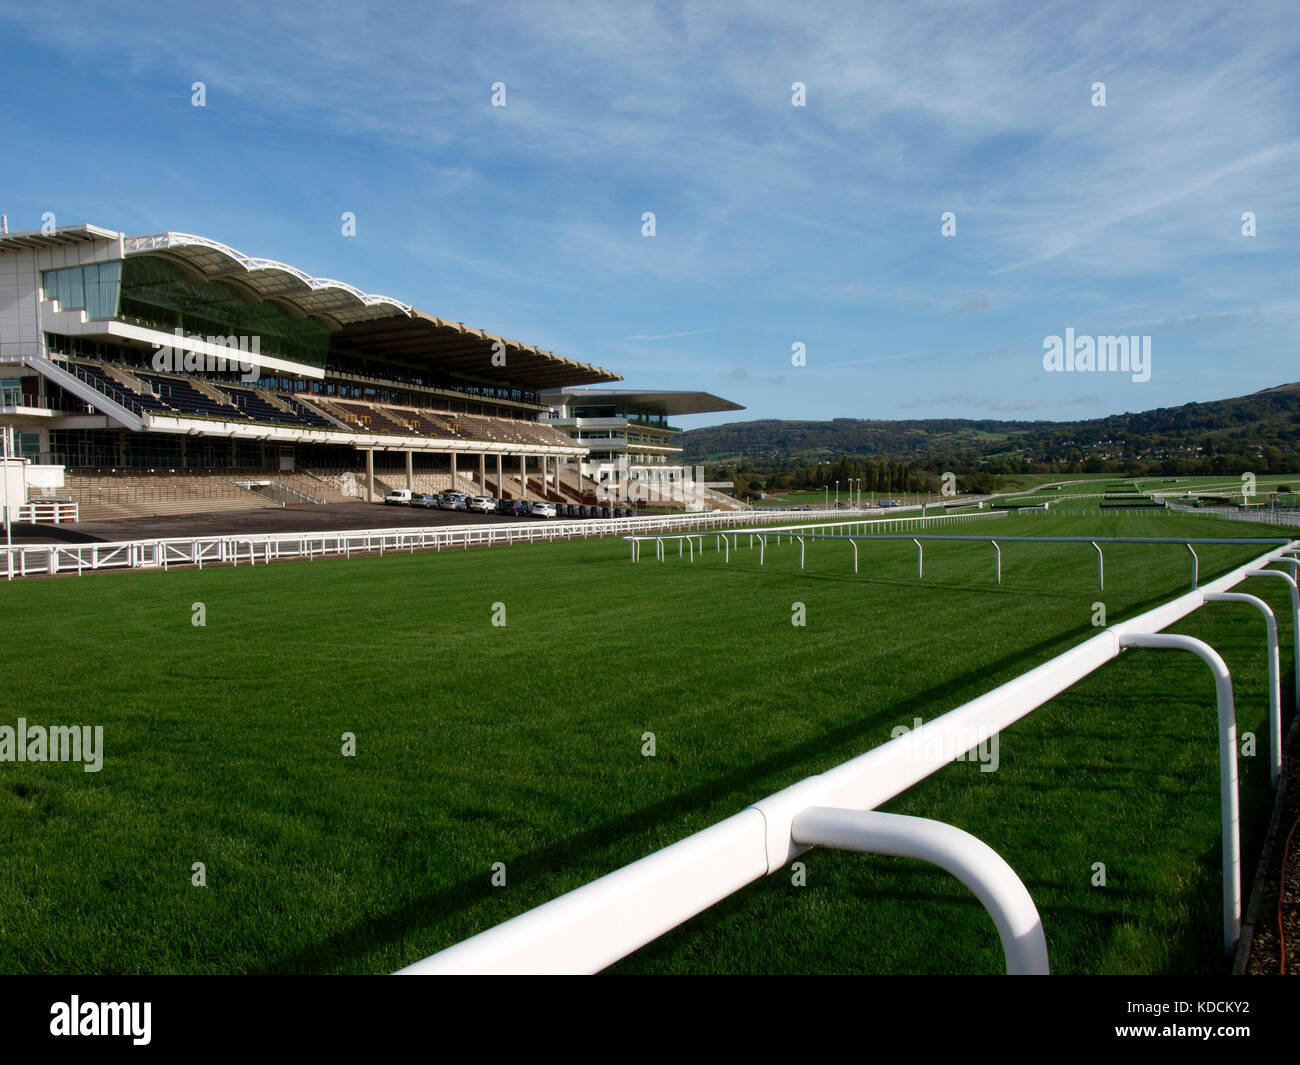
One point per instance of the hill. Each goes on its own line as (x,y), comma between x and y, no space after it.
(1258,431)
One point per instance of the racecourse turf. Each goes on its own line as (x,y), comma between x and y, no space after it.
(521,743)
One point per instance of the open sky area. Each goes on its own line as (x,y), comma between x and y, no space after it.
(1111,168)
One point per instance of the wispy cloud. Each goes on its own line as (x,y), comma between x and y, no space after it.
(820,223)
(669,336)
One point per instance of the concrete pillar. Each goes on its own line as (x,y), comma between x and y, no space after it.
(482,472)
(370,475)
(410,470)
(523,476)
(500,485)
(453,471)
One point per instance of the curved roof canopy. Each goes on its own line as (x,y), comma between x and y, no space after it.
(267,279)
(656,401)
(371,325)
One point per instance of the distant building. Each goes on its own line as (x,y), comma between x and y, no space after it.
(631,446)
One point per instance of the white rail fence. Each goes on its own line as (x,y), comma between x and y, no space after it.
(48,512)
(27,560)
(726,542)
(1260,516)
(594,926)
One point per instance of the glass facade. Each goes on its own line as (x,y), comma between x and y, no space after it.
(158,295)
(93,289)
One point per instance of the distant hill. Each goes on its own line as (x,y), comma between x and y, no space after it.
(1261,430)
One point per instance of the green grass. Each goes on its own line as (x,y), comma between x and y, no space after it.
(522,744)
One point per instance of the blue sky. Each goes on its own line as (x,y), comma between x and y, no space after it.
(775,224)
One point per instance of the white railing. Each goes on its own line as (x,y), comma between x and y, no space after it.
(1262,516)
(28,560)
(594,926)
(851,533)
(48,512)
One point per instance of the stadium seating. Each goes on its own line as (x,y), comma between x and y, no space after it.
(182,397)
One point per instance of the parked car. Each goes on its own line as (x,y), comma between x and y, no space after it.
(398,496)
(424,499)
(514,507)
(543,510)
(453,501)
(481,504)
(889,503)
(504,506)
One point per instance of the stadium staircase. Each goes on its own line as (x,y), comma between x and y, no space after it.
(102,497)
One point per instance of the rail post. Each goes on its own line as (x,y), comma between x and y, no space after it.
(1229,803)
(1274,675)
(1295,617)
(970,860)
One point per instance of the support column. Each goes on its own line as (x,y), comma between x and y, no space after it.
(410,471)
(453,471)
(482,472)
(500,483)
(370,475)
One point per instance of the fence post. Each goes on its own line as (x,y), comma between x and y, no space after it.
(1274,675)
(969,859)
(1229,804)
(1295,617)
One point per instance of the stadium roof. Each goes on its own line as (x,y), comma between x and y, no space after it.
(39,238)
(361,323)
(659,401)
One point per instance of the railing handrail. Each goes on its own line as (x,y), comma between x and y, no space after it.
(591,927)
(32,559)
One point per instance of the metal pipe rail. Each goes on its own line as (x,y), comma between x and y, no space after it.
(25,560)
(1229,800)
(1295,614)
(1274,675)
(970,860)
(1095,541)
(595,925)
(791,530)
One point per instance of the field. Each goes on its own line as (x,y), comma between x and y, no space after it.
(522,743)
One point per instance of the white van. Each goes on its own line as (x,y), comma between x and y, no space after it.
(398,495)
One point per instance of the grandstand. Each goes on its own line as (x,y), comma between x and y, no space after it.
(632,449)
(161,371)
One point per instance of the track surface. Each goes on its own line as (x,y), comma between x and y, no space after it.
(305,517)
